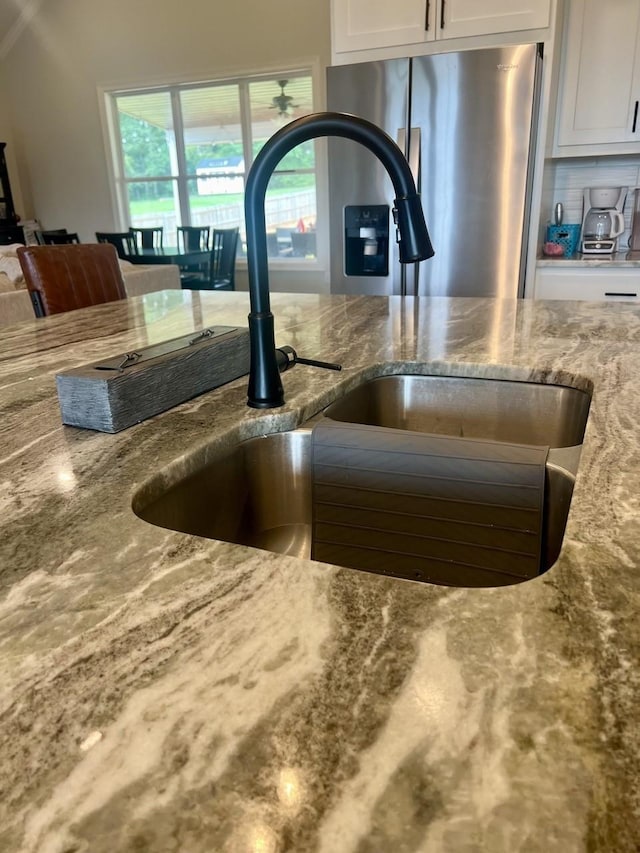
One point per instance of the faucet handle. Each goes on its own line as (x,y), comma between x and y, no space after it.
(286,357)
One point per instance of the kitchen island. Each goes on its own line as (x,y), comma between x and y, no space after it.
(163,692)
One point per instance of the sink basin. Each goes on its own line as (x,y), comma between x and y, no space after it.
(258,493)
(496,409)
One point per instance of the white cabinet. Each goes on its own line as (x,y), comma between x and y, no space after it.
(366,24)
(596,284)
(599,89)
(457,18)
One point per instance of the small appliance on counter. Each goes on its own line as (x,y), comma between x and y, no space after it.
(602,221)
(562,239)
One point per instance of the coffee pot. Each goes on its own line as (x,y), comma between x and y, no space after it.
(603,221)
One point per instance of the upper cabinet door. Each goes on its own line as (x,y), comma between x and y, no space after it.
(460,18)
(363,24)
(370,24)
(600,78)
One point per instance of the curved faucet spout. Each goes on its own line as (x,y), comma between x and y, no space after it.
(265,387)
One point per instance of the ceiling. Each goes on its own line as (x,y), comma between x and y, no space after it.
(211,114)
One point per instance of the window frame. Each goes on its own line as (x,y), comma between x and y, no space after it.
(118,182)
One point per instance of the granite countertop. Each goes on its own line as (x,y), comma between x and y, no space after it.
(162,692)
(625,259)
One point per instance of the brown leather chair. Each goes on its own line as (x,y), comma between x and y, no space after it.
(62,278)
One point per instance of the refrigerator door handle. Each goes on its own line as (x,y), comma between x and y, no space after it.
(412,152)
(401,140)
(414,158)
(415,164)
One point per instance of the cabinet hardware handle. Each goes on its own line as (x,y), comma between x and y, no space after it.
(442,4)
(618,293)
(427,15)
(635,118)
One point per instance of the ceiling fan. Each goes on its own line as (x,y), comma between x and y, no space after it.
(283,103)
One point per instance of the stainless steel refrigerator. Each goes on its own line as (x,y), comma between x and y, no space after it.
(471,117)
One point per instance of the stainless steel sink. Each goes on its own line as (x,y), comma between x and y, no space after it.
(496,409)
(258,493)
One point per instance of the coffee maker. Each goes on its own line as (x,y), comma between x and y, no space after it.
(602,219)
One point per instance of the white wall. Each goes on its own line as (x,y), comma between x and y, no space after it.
(12,150)
(71,47)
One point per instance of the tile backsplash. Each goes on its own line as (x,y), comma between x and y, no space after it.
(566,179)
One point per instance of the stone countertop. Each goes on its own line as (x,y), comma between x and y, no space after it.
(162,692)
(624,260)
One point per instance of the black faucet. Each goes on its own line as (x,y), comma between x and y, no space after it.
(265,387)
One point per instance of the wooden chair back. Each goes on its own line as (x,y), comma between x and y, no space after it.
(193,238)
(41,236)
(222,270)
(124,241)
(148,238)
(54,239)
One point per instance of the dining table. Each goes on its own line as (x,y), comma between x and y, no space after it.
(170,255)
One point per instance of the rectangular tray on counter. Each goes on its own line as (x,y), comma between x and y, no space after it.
(112,394)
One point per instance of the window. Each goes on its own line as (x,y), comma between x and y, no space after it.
(184,152)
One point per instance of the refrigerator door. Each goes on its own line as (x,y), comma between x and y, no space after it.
(377,91)
(476,114)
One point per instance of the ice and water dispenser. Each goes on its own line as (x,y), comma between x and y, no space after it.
(366,239)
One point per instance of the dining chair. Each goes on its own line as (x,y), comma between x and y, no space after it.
(222,266)
(124,241)
(272,244)
(148,238)
(303,245)
(53,238)
(283,237)
(224,247)
(41,236)
(63,278)
(193,238)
